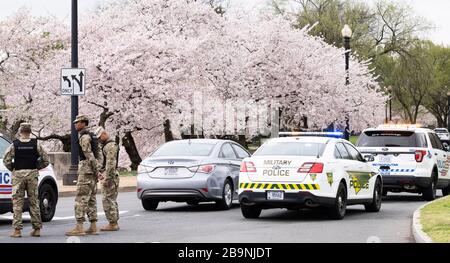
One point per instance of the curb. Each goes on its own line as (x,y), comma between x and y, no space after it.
(121,190)
(419,235)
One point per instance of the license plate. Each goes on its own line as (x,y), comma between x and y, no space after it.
(170,171)
(385,172)
(385,159)
(275,195)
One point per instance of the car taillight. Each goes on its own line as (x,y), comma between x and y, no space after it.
(419,154)
(206,169)
(316,168)
(248,167)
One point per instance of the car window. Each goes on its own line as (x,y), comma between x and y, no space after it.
(4,144)
(354,153)
(337,155)
(343,151)
(291,149)
(184,148)
(435,141)
(241,153)
(227,152)
(380,138)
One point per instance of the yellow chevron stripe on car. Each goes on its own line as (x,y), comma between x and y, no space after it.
(279,186)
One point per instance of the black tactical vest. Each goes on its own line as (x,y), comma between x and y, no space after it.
(94,145)
(104,156)
(25,155)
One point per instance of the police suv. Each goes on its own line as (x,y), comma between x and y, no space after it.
(48,189)
(410,159)
(307,172)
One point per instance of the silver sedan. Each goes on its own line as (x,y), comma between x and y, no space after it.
(192,171)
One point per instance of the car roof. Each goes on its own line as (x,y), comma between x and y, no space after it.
(421,130)
(214,141)
(305,139)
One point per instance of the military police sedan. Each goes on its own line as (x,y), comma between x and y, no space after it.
(192,171)
(307,172)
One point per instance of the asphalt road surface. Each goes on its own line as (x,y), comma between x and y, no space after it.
(178,222)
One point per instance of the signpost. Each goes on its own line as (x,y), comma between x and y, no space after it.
(73,81)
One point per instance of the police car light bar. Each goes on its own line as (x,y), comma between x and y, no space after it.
(338,135)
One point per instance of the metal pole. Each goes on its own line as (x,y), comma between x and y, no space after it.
(448,111)
(390,107)
(71,177)
(347,82)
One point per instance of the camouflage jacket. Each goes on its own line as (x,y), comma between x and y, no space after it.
(10,154)
(110,151)
(91,165)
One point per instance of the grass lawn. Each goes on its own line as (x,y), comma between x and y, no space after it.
(435,219)
(131,173)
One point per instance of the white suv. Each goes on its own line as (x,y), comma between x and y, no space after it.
(443,134)
(48,189)
(410,159)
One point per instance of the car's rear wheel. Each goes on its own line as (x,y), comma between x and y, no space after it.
(429,193)
(150,205)
(375,206)
(337,211)
(250,211)
(227,196)
(47,202)
(446,190)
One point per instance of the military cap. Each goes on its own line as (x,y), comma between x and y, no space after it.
(81,118)
(98,131)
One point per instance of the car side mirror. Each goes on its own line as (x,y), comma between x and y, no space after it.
(369,158)
(446,147)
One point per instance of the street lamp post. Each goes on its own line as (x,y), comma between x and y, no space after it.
(71,177)
(347,35)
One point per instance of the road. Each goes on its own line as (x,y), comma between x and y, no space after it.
(178,222)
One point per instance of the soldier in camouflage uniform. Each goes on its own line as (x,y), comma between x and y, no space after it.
(25,157)
(110,178)
(88,168)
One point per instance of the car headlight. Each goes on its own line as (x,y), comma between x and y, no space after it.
(142,169)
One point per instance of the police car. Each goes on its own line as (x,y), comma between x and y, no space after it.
(307,172)
(410,159)
(48,189)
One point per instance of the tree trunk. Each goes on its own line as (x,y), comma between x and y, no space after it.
(131,149)
(64,139)
(104,117)
(167,132)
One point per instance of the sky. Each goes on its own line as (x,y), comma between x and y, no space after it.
(435,11)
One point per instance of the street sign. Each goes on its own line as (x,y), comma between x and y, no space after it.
(73,81)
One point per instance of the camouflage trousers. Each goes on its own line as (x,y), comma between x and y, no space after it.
(110,188)
(85,200)
(20,185)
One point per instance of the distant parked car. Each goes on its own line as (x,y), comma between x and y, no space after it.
(192,171)
(443,134)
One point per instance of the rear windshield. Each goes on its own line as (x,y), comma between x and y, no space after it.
(440,130)
(291,148)
(392,139)
(184,149)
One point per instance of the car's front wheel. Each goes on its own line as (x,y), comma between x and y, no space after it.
(150,205)
(250,211)
(47,202)
(337,211)
(429,193)
(227,196)
(375,206)
(446,190)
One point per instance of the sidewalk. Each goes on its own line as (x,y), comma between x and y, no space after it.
(126,184)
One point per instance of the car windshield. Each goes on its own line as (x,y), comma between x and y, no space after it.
(4,144)
(391,139)
(184,149)
(441,131)
(291,148)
